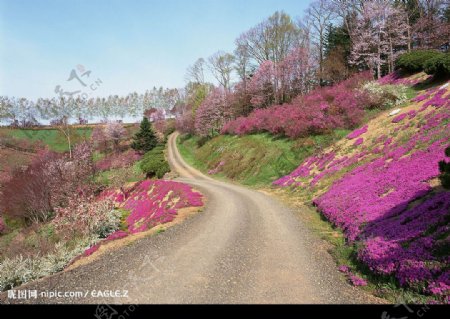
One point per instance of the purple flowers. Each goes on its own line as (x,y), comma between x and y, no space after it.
(154,202)
(150,203)
(357,281)
(399,118)
(383,199)
(359,141)
(358,132)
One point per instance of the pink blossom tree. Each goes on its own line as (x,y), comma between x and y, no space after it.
(213,113)
(380,30)
(115,132)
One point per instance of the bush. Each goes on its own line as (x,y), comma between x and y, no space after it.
(88,217)
(154,163)
(18,270)
(414,61)
(438,65)
(320,111)
(444,168)
(47,183)
(385,96)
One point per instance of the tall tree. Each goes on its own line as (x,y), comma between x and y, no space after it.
(221,66)
(196,72)
(271,39)
(376,34)
(320,14)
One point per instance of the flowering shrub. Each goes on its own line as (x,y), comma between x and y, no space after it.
(118,160)
(18,270)
(88,216)
(371,193)
(386,95)
(317,112)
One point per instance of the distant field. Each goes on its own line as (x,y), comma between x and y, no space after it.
(50,136)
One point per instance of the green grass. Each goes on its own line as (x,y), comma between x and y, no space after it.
(52,137)
(253,160)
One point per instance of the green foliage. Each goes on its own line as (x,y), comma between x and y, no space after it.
(415,61)
(154,163)
(444,168)
(145,139)
(256,159)
(50,136)
(438,65)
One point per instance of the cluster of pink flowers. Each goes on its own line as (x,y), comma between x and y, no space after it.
(155,202)
(150,203)
(341,105)
(358,132)
(354,279)
(217,168)
(397,78)
(399,118)
(371,203)
(118,160)
(91,250)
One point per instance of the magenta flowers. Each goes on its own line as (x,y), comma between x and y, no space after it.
(150,203)
(384,199)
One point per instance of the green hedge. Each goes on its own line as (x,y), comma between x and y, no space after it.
(415,61)
(154,163)
(438,65)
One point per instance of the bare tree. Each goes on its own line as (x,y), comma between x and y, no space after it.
(221,66)
(320,14)
(195,73)
(271,39)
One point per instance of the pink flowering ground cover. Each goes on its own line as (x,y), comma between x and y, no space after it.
(150,203)
(385,202)
(397,78)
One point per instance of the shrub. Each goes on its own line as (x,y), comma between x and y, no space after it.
(88,217)
(324,109)
(47,183)
(18,270)
(444,168)
(438,65)
(414,61)
(385,96)
(121,160)
(154,163)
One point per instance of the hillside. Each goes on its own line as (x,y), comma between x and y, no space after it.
(378,184)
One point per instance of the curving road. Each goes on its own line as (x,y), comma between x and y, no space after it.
(245,247)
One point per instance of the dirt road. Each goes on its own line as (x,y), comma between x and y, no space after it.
(245,247)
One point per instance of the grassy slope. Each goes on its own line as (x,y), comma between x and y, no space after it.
(253,160)
(51,136)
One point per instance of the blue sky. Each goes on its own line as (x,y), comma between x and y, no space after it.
(130,45)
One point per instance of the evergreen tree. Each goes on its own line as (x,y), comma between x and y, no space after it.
(145,139)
